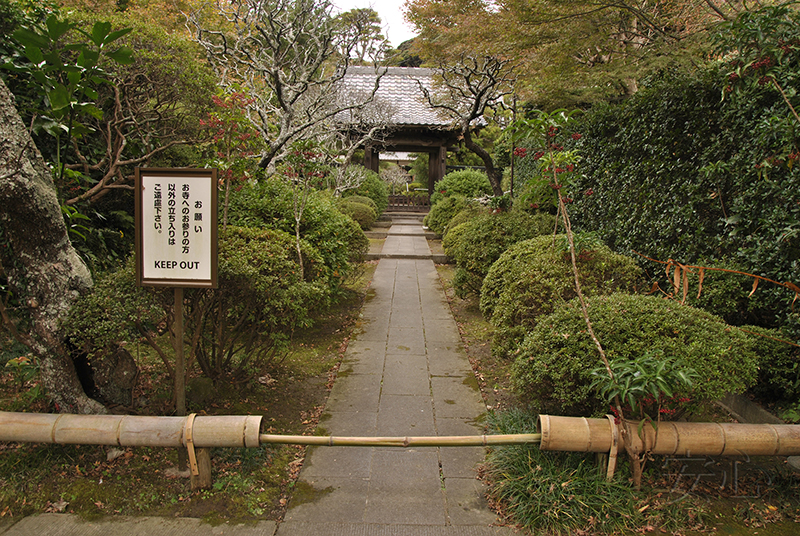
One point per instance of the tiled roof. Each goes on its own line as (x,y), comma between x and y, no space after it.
(399,88)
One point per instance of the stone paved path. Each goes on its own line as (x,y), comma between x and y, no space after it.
(404,374)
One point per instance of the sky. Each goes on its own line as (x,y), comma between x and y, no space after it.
(395,28)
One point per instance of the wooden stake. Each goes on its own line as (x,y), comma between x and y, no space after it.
(202,480)
(180,373)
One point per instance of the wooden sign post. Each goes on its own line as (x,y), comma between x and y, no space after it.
(176,244)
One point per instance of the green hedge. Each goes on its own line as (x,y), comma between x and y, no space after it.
(556,358)
(476,244)
(363,200)
(373,187)
(465,182)
(337,237)
(248,320)
(362,213)
(677,172)
(534,276)
(442,212)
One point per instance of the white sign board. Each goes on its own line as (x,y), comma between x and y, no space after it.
(176,226)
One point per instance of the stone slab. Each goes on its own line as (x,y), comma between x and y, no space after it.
(466,502)
(329,500)
(455,398)
(73,525)
(374,529)
(405,415)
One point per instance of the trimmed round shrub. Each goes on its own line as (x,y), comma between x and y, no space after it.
(337,237)
(534,276)
(362,213)
(373,187)
(442,212)
(466,182)
(553,367)
(363,200)
(476,244)
(468,213)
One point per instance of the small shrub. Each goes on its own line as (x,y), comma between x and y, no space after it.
(534,276)
(466,182)
(363,200)
(234,329)
(476,244)
(442,212)
(553,367)
(373,187)
(337,237)
(362,213)
(468,213)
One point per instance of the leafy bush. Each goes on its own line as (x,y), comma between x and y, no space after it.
(362,213)
(373,187)
(116,310)
(442,212)
(468,213)
(553,367)
(466,182)
(534,276)
(363,200)
(779,366)
(337,237)
(476,244)
(233,330)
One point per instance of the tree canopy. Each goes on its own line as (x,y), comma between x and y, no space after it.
(570,52)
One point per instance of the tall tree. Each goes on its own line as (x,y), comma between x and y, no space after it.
(43,269)
(575,50)
(151,105)
(291,56)
(466,91)
(366,24)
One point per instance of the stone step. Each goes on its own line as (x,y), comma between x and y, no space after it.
(436,258)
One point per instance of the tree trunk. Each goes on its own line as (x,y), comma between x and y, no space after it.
(495,175)
(42,267)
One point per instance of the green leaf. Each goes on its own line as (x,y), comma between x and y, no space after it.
(91,109)
(113,36)
(74,77)
(28,38)
(100,32)
(122,55)
(49,125)
(59,97)
(56,28)
(34,54)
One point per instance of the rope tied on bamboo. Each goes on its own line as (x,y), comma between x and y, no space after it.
(188,442)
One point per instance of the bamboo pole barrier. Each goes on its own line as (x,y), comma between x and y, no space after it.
(426,441)
(579,434)
(131,430)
